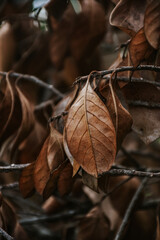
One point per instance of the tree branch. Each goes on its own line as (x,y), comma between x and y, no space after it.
(36,81)
(130,209)
(13,167)
(122,69)
(5,234)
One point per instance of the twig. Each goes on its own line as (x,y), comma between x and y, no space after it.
(9,186)
(22,17)
(37,81)
(131,172)
(5,234)
(153,203)
(51,218)
(123,69)
(57,117)
(130,209)
(13,168)
(144,104)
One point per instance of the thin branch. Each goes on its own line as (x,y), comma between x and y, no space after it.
(57,117)
(153,203)
(144,104)
(51,218)
(37,81)
(130,209)
(9,186)
(131,172)
(123,69)
(5,234)
(13,168)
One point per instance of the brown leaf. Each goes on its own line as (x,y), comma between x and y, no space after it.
(55,152)
(65,180)
(124,117)
(145,119)
(152,23)
(94,226)
(90,134)
(41,171)
(139,48)
(26,181)
(90,181)
(7,46)
(51,184)
(128,15)
(89,29)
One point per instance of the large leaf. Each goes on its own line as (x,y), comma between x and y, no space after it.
(152,23)
(128,15)
(90,134)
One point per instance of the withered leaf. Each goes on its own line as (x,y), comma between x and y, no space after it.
(128,15)
(52,182)
(65,180)
(139,48)
(41,171)
(90,134)
(124,117)
(145,119)
(26,181)
(55,152)
(94,226)
(152,23)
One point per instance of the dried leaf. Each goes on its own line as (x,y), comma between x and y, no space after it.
(90,181)
(65,180)
(139,48)
(26,181)
(124,117)
(94,226)
(90,134)
(41,171)
(55,152)
(51,184)
(145,119)
(128,15)
(152,23)
(7,46)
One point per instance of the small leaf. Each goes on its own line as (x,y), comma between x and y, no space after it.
(90,134)
(55,152)
(26,182)
(139,48)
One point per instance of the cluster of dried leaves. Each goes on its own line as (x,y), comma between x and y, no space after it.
(71,140)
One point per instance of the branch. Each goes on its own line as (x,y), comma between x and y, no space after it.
(9,186)
(130,209)
(5,234)
(153,203)
(13,167)
(37,81)
(51,218)
(122,69)
(131,172)
(144,104)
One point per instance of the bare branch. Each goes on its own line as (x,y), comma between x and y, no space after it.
(132,172)
(13,168)
(5,234)
(123,69)
(130,209)
(37,81)
(9,186)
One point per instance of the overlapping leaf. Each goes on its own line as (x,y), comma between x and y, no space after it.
(152,23)
(90,134)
